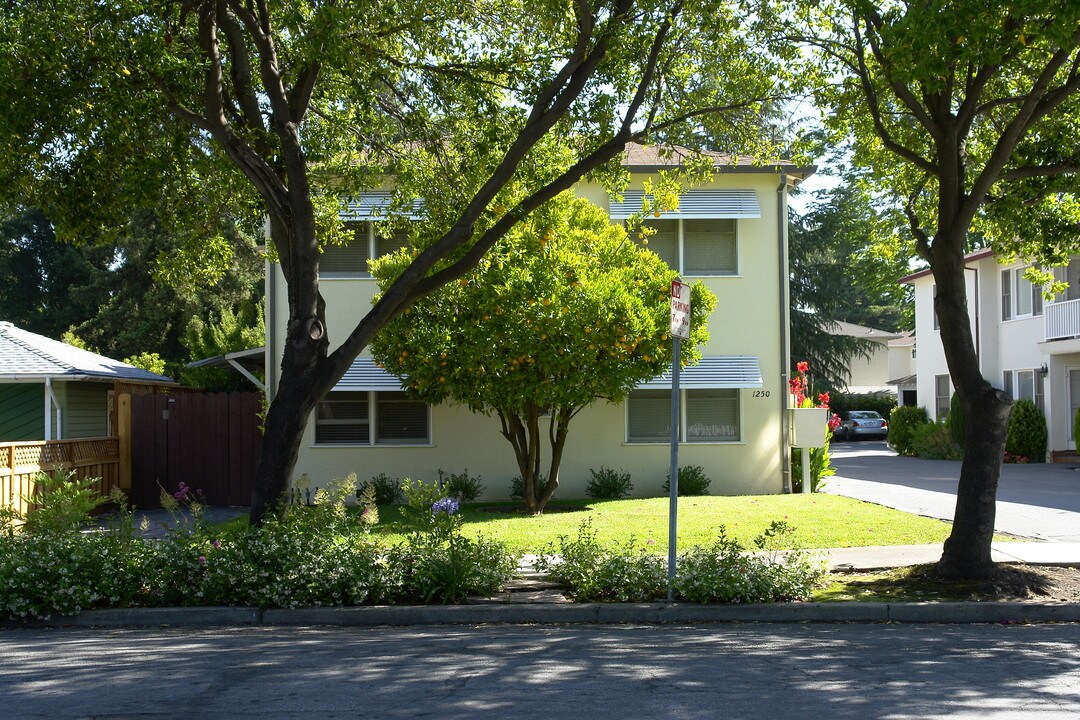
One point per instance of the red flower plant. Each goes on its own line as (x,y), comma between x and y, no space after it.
(799,386)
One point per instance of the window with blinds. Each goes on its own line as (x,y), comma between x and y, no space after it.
(342,419)
(696,246)
(648,416)
(665,241)
(348,260)
(709,247)
(710,415)
(351,261)
(345,418)
(400,420)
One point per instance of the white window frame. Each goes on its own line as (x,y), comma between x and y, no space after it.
(683,424)
(680,246)
(372,423)
(1014,384)
(938,406)
(1012,281)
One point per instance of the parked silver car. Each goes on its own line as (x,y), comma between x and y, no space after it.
(862,423)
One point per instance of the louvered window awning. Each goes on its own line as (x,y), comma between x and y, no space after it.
(722,371)
(696,204)
(719,371)
(364,375)
(376,206)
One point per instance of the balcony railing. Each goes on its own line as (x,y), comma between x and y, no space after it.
(1062,319)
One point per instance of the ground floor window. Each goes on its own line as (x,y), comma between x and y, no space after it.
(710,415)
(1026,385)
(942,396)
(371,418)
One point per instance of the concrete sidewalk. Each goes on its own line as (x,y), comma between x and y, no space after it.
(877,558)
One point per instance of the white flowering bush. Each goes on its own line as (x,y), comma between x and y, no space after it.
(303,556)
(722,571)
(595,573)
(50,567)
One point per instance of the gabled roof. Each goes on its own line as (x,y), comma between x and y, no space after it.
(968,259)
(26,355)
(653,158)
(861,331)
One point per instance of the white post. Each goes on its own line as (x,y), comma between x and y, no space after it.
(48,409)
(805,469)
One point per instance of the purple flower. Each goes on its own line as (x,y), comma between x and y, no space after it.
(446,505)
(216,544)
(202,560)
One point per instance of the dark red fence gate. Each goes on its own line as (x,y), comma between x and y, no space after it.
(209,441)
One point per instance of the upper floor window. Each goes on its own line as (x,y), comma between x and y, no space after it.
(1019,298)
(701,238)
(703,246)
(368,242)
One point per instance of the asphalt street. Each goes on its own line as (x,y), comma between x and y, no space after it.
(1039,501)
(703,671)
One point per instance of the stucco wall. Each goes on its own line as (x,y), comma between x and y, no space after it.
(747,321)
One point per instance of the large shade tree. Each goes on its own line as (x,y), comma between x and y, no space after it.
(282,107)
(967,112)
(565,310)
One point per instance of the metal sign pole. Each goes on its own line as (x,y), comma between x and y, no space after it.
(673,472)
(680,330)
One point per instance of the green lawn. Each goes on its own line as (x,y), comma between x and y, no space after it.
(820,521)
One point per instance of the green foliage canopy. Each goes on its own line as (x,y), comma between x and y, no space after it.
(565,310)
(966,114)
(243,108)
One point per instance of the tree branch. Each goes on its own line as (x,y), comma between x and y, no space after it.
(862,73)
(1031,171)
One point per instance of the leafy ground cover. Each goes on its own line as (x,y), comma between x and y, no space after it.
(821,521)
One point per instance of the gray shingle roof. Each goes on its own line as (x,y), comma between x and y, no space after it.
(25,355)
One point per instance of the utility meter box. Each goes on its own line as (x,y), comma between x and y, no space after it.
(807,427)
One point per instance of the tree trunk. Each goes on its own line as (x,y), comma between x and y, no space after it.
(299,389)
(523,433)
(967,551)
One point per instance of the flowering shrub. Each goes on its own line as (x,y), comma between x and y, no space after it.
(50,567)
(438,563)
(722,571)
(820,466)
(595,573)
(321,554)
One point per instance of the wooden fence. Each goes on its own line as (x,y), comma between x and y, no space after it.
(20,462)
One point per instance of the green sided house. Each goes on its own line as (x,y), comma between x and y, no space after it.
(730,233)
(53,391)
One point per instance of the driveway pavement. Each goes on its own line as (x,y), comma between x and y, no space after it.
(1034,501)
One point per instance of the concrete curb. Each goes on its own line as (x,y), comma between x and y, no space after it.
(597,613)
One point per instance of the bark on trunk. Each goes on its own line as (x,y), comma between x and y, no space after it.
(967,550)
(524,436)
(300,388)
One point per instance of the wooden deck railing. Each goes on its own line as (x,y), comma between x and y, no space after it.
(90,457)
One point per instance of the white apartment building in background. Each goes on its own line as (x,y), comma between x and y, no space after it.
(1027,346)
